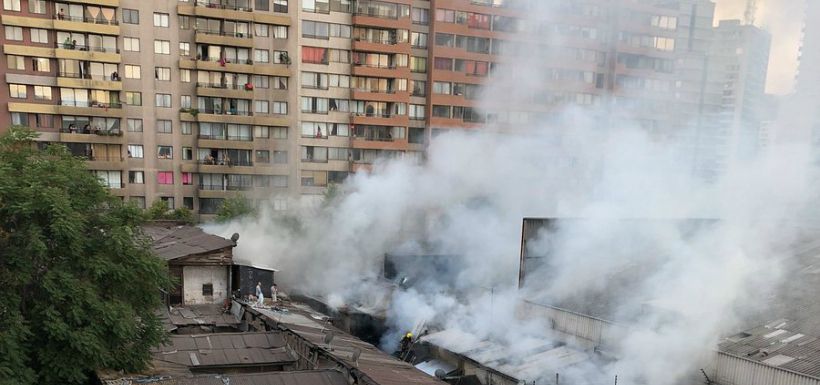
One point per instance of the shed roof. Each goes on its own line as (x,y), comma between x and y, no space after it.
(308,377)
(172,242)
(224,350)
(777,344)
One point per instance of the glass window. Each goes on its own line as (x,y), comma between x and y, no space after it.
(39,36)
(135,151)
(261,56)
(130,16)
(161,20)
(184,22)
(136,177)
(37,6)
(11,5)
(162,47)
(165,152)
(17,91)
(185,101)
(162,74)
(41,64)
(134,125)
(42,92)
(185,76)
(133,98)
(186,128)
(131,44)
(132,71)
(14,33)
(184,49)
(164,126)
(263,156)
(15,62)
(280,108)
(163,100)
(261,106)
(165,177)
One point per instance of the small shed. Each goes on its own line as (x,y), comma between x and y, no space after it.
(246,276)
(200,262)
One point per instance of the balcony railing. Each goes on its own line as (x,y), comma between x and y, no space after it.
(91,131)
(94,104)
(374,138)
(80,47)
(226,137)
(75,75)
(386,115)
(376,12)
(100,158)
(223,86)
(389,66)
(225,6)
(378,41)
(219,187)
(222,33)
(216,111)
(223,61)
(376,91)
(223,162)
(86,20)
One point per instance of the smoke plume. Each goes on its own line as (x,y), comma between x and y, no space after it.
(676,292)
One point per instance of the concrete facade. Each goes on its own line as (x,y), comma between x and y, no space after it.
(195,278)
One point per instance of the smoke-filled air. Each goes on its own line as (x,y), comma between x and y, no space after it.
(676,259)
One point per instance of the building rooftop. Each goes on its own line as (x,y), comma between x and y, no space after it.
(380,367)
(537,357)
(198,315)
(307,377)
(777,344)
(174,241)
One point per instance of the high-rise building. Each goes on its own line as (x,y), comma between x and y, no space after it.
(738,65)
(195,101)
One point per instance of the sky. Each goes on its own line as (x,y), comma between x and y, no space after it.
(784,20)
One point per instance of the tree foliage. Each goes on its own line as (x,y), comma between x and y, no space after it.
(234,208)
(159,210)
(79,285)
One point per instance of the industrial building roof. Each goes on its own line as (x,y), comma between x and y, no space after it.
(308,377)
(536,359)
(776,344)
(380,367)
(224,350)
(172,242)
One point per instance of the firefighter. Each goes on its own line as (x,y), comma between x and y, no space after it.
(405,343)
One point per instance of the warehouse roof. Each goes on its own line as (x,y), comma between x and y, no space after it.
(308,377)
(777,344)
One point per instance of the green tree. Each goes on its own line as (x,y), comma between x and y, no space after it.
(79,284)
(234,208)
(159,210)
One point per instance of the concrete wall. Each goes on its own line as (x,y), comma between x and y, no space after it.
(196,276)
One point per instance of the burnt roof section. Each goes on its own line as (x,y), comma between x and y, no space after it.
(172,242)
(224,350)
(777,345)
(378,367)
(198,315)
(308,377)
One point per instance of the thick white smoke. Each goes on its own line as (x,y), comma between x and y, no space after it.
(467,201)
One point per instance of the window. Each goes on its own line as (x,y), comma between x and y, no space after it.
(11,5)
(207,290)
(160,20)
(187,153)
(185,101)
(131,44)
(162,74)
(169,201)
(110,179)
(15,62)
(263,156)
(134,125)
(279,132)
(261,132)
(261,30)
(19,118)
(188,202)
(137,201)
(280,6)
(418,39)
(184,49)
(14,33)
(280,32)
(420,16)
(418,64)
(37,6)
(42,92)
(165,152)
(163,100)
(280,108)
(130,16)
(135,151)
(41,64)
(416,111)
(441,111)
(187,178)
(165,177)
(261,56)
(162,47)
(132,71)
(185,76)
(261,5)
(184,22)
(261,106)
(136,177)
(39,35)
(280,157)
(17,91)
(164,126)
(185,128)
(261,81)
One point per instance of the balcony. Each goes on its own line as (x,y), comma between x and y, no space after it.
(235,91)
(224,38)
(71,50)
(73,107)
(86,24)
(75,136)
(225,187)
(97,82)
(381,45)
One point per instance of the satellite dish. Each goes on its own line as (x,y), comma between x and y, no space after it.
(235,237)
(440,373)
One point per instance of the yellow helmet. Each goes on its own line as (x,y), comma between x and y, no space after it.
(409,335)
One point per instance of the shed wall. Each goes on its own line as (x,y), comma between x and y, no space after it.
(196,276)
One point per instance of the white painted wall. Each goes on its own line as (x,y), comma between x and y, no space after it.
(196,276)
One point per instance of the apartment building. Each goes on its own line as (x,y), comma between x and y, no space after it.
(195,101)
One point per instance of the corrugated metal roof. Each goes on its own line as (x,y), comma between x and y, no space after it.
(225,349)
(179,241)
(308,377)
(776,345)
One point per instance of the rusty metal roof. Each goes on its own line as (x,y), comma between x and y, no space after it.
(172,242)
(225,350)
(308,377)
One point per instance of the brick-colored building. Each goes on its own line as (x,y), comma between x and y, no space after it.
(195,101)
